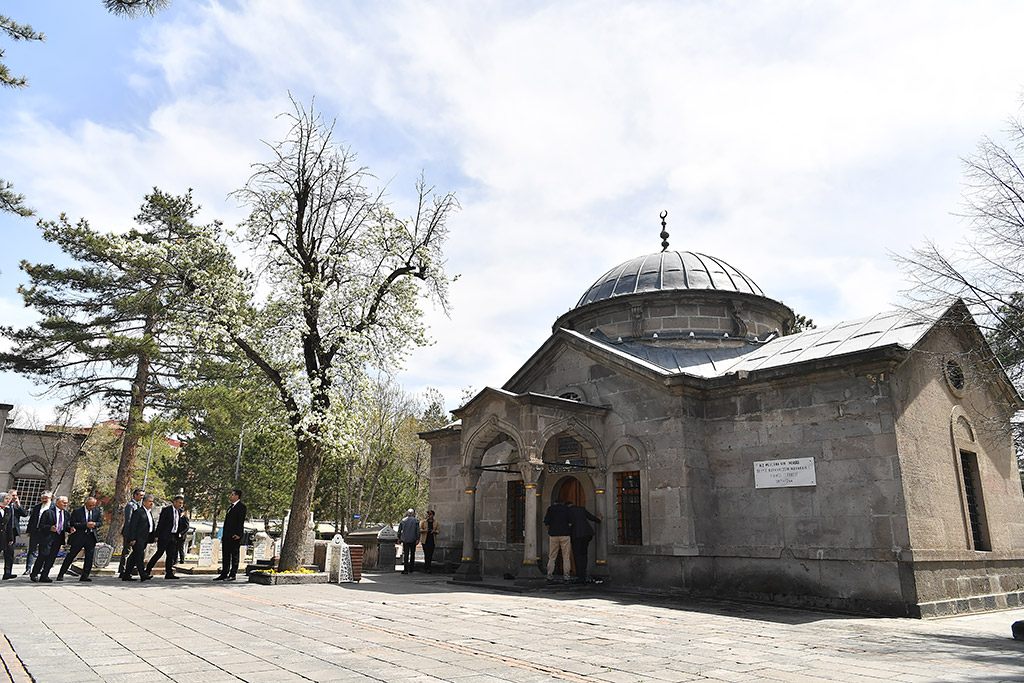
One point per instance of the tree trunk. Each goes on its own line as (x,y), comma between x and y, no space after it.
(129,448)
(310,460)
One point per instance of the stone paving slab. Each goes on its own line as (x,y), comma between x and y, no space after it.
(420,629)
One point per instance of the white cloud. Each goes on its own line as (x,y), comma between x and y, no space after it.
(797,141)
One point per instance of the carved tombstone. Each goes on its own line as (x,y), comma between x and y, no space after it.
(206,552)
(102,555)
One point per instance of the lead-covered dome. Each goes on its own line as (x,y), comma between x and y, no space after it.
(667,271)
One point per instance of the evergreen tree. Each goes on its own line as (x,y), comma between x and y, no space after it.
(111,326)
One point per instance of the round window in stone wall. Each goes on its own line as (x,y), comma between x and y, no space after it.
(955,376)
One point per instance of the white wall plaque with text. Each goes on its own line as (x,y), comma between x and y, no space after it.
(770,474)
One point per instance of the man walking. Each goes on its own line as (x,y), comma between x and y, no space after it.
(84,523)
(581,534)
(10,511)
(556,519)
(55,524)
(34,534)
(140,532)
(129,509)
(408,534)
(170,531)
(231,539)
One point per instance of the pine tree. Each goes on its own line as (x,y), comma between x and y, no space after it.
(111,325)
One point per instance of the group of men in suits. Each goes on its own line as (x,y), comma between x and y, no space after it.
(51,526)
(140,529)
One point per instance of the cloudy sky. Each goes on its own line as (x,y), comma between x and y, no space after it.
(802,142)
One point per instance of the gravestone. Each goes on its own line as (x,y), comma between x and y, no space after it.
(206,552)
(262,547)
(333,557)
(102,555)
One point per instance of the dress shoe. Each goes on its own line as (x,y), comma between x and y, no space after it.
(128,578)
(60,577)
(45,579)
(147,577)
(172,576)
(220,578)
(230,578)
(33,578)
(10,576)
(85,578)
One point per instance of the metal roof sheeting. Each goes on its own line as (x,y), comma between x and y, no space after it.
(884,329)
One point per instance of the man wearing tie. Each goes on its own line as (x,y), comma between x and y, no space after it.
(10,511)
(54,524)
(34,535)
(84,523)
(170,531)
(140,531)
(234,528)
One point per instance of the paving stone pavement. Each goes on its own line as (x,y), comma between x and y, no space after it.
(419,629)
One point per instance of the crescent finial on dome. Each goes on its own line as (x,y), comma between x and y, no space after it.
(664,231)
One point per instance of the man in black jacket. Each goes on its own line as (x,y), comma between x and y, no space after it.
(556,519)
(55,523)
(10,512)
(141,530)
(581,534)
(34,535)
(170,531)
(231,539)
(84,523)
(123,569)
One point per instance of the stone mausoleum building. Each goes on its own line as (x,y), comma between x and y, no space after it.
(865,465)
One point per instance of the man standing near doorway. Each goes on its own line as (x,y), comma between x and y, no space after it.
(84,523)
(556,519)
(408,534)
(581,534)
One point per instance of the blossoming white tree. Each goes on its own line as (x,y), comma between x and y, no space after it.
(336,287)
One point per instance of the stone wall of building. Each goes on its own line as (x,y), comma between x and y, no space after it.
(936,423)
(446,493)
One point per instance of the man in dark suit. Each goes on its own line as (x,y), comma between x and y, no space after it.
(231,540)
(170,532)
(580,535)
(10,511)
(34,535)
(141,530)
(54,523)
(84,523)
(129,509)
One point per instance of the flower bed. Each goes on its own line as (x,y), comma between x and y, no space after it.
(287,578)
